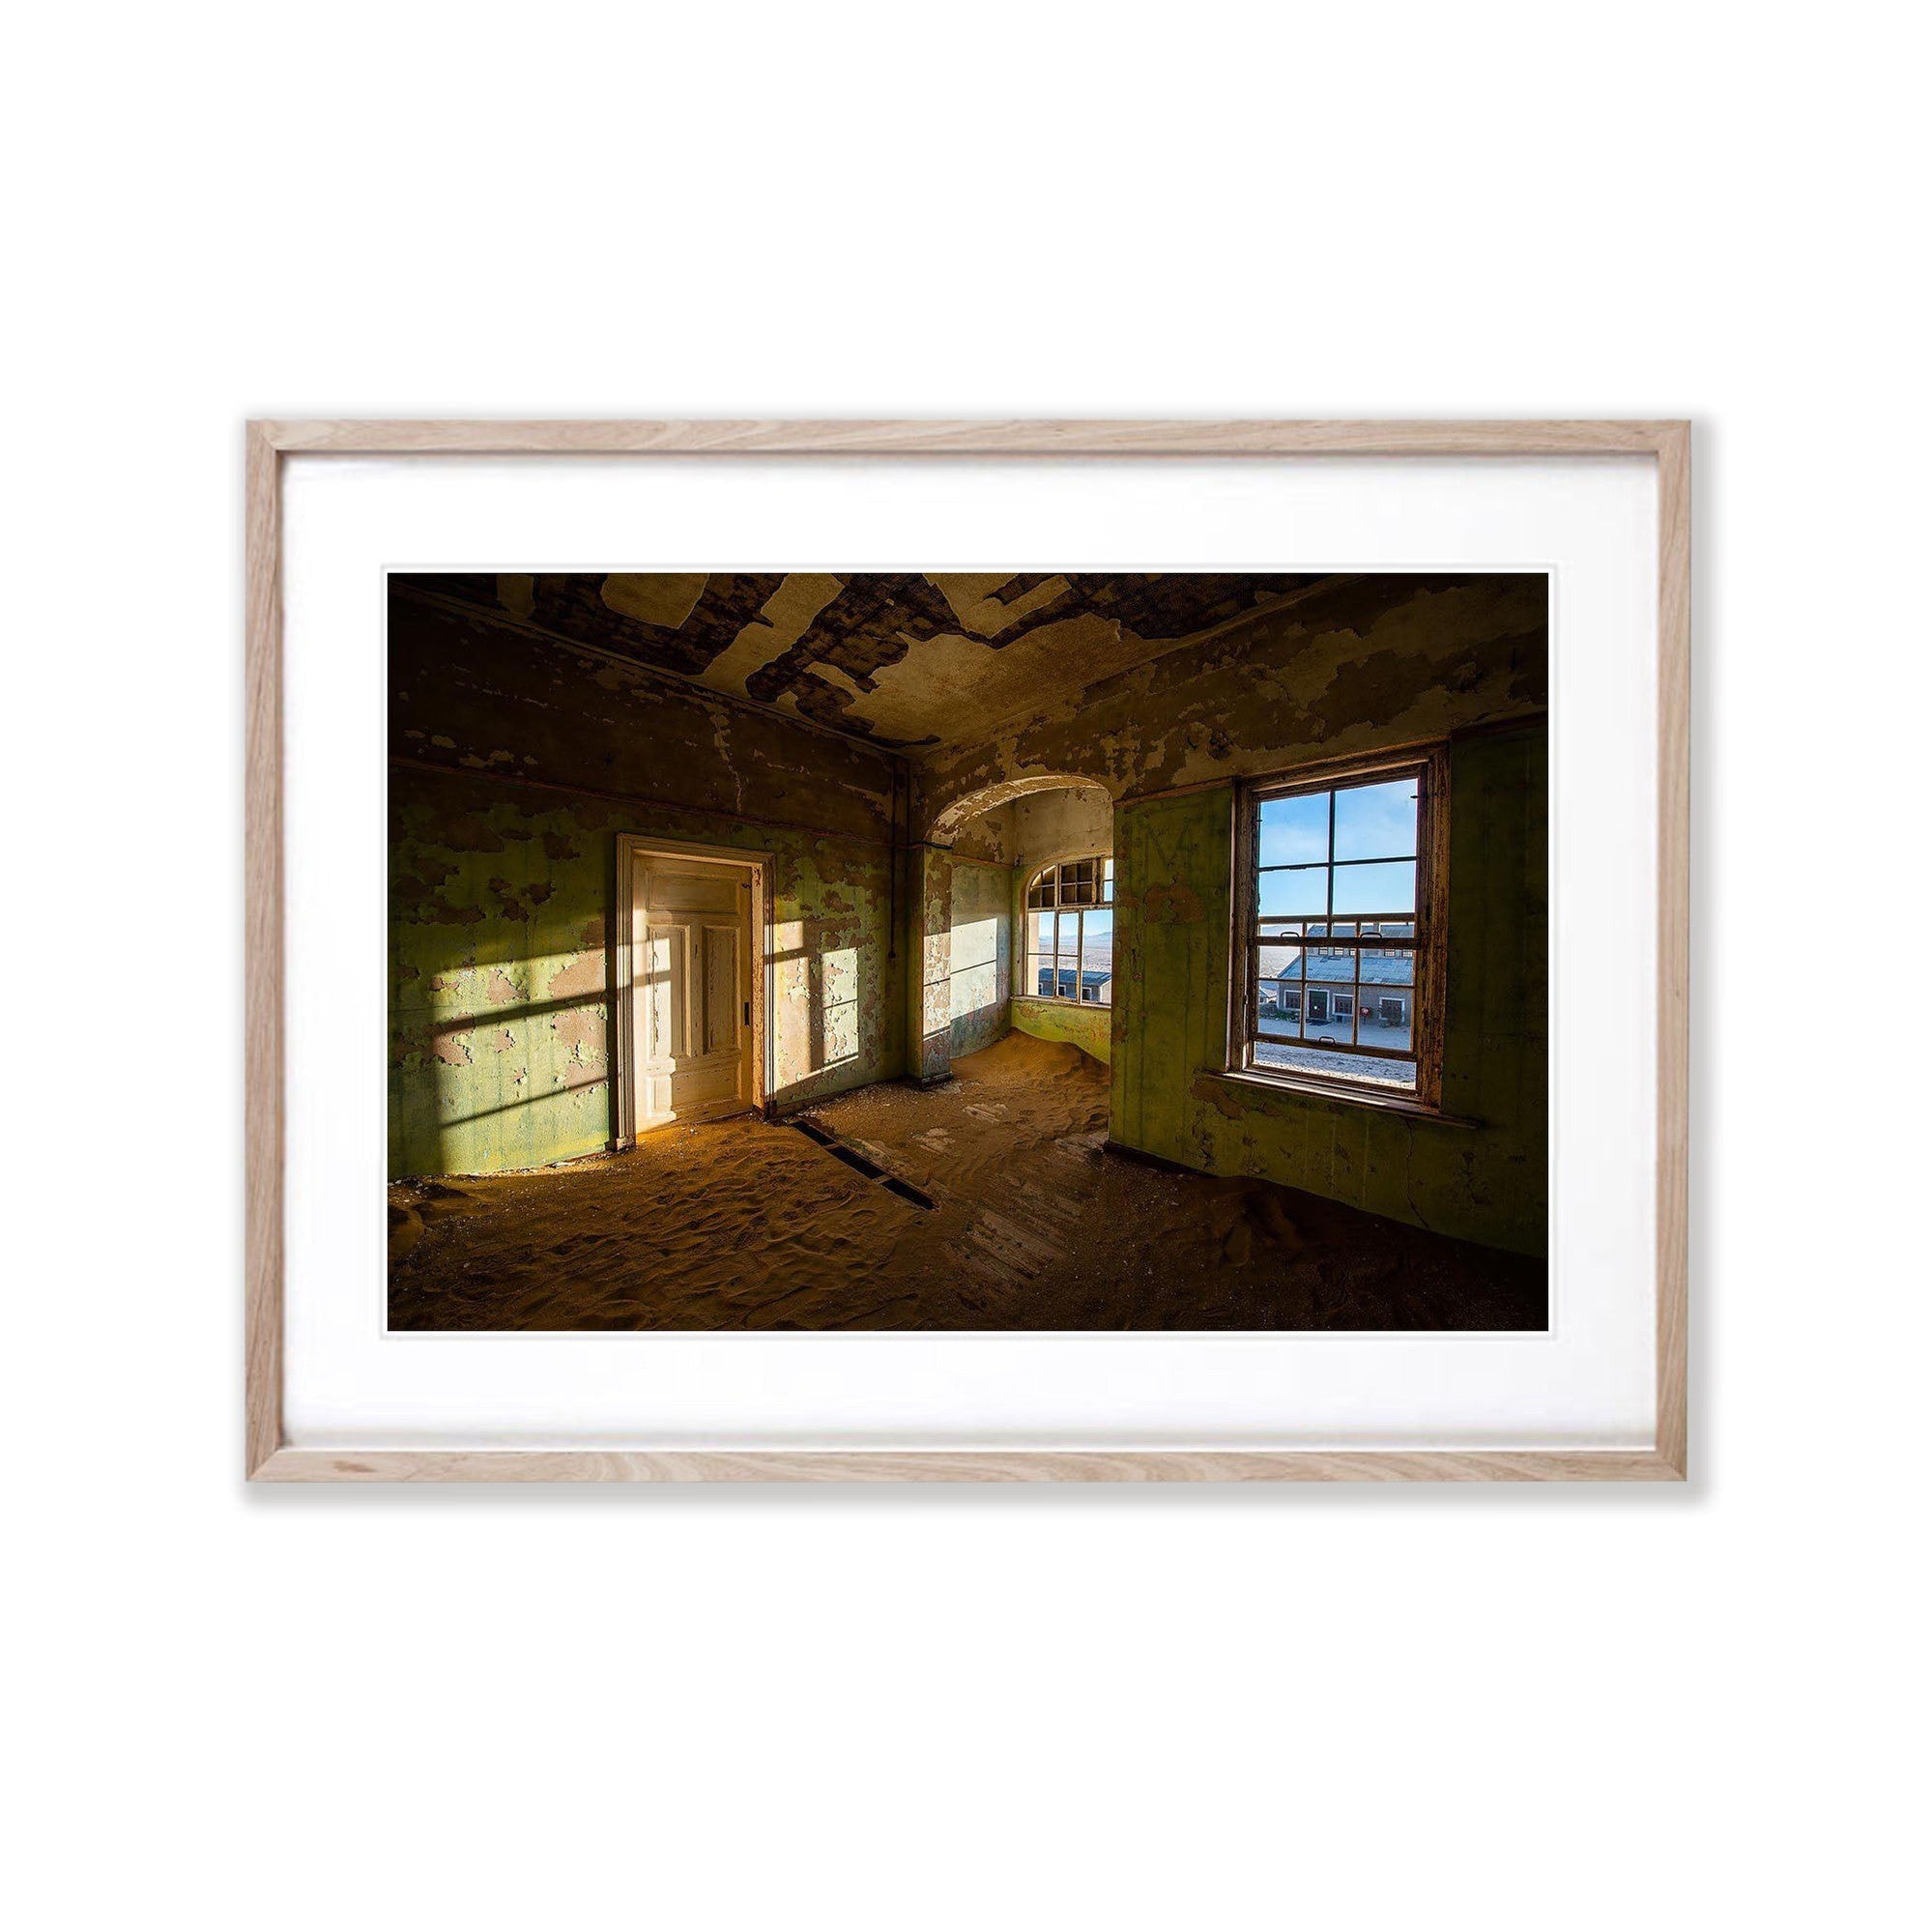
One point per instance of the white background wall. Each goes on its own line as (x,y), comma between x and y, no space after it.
(1496,1709)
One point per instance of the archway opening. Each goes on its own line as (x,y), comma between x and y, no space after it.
(1028,920)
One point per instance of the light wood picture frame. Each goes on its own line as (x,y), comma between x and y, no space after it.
(270,1457)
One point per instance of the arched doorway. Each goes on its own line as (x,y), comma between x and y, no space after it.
(980,946)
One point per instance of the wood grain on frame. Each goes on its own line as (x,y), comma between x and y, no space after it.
(268,1459)
(263,915)
(941,438)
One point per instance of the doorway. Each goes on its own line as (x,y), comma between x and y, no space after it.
(690,992)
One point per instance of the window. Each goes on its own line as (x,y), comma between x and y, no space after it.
(1070,932)
(1340,928)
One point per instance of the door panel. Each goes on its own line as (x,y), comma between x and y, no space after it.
(721,989)
(691,939)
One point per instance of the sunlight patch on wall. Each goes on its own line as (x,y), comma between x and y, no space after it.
(838,1006)
(975,967)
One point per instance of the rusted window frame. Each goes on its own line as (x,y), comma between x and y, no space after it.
(1102,902)
(1427,996)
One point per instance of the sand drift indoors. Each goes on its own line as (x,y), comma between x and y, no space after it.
(1002,950)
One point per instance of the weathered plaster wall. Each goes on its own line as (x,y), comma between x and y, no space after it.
(989,836)
(1360,665)
(1088,1027)
(992,856)
(1046,827)
(1484,1183)
(515,764)
(1051,825)
(981,964)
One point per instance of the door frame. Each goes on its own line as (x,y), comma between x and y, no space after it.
(631,847)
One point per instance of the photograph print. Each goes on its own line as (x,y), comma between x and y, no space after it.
(998,950)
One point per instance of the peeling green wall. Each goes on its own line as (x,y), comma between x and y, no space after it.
(502,1028)
(1046,827)
(1369,662)
(501,1018)
(1486,1183)
(1090,1028)
(498,1018)
(981,954)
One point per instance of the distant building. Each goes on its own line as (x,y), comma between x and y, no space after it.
(1093,983)
(1316,991)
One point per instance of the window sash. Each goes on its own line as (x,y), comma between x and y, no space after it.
(1083,883)
(1336,957)
(1064,894)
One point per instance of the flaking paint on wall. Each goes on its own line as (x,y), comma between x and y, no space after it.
(1367,663)
(1090,1028)
(981,954)
(502,1026)
(1484,1183)
(503,869)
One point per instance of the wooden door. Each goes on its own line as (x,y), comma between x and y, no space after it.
(691,959)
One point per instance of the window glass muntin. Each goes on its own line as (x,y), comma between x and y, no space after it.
(1070,932)
(1337,927)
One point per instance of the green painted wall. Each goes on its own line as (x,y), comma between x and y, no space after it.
(499,1013)
(981,954)
(1045,828)
(1088,1027)
(1487,1183)
(499,1021)
(515,762)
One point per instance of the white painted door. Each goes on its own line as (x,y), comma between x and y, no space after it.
(691,959)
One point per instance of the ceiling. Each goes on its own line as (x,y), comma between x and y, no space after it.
(906,661)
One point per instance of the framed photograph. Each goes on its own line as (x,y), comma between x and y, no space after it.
(949,951)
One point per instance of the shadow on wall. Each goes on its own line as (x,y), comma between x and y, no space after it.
(979,981)
(499,1010)
(816,1004)
(502,1030)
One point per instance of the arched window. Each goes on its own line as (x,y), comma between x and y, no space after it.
(1070,932)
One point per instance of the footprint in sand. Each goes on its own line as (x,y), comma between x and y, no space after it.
(935,1140)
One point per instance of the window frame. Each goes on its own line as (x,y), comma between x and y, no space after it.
(1428,765)
(1101,888)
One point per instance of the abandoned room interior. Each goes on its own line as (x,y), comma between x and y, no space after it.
(984,951)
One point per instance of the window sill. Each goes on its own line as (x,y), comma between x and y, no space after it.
(1047,1000)
(1331,1090)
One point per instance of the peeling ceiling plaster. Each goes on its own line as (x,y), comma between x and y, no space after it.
(911,661)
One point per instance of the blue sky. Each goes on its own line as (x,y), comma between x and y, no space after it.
(1370,822)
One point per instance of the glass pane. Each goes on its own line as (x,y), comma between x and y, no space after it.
(1066,973)
(1106,881)
(1294,830)
(1387,998)
(1097,956)
(1279,962)
(1376,820)
(1387,966)
(1328,1017)
(1278,992)
(1375,888)
(1291,894)
(1039,979)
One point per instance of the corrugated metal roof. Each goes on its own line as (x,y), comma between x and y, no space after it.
(1378,969)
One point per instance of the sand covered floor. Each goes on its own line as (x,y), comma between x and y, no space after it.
(746,1224)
